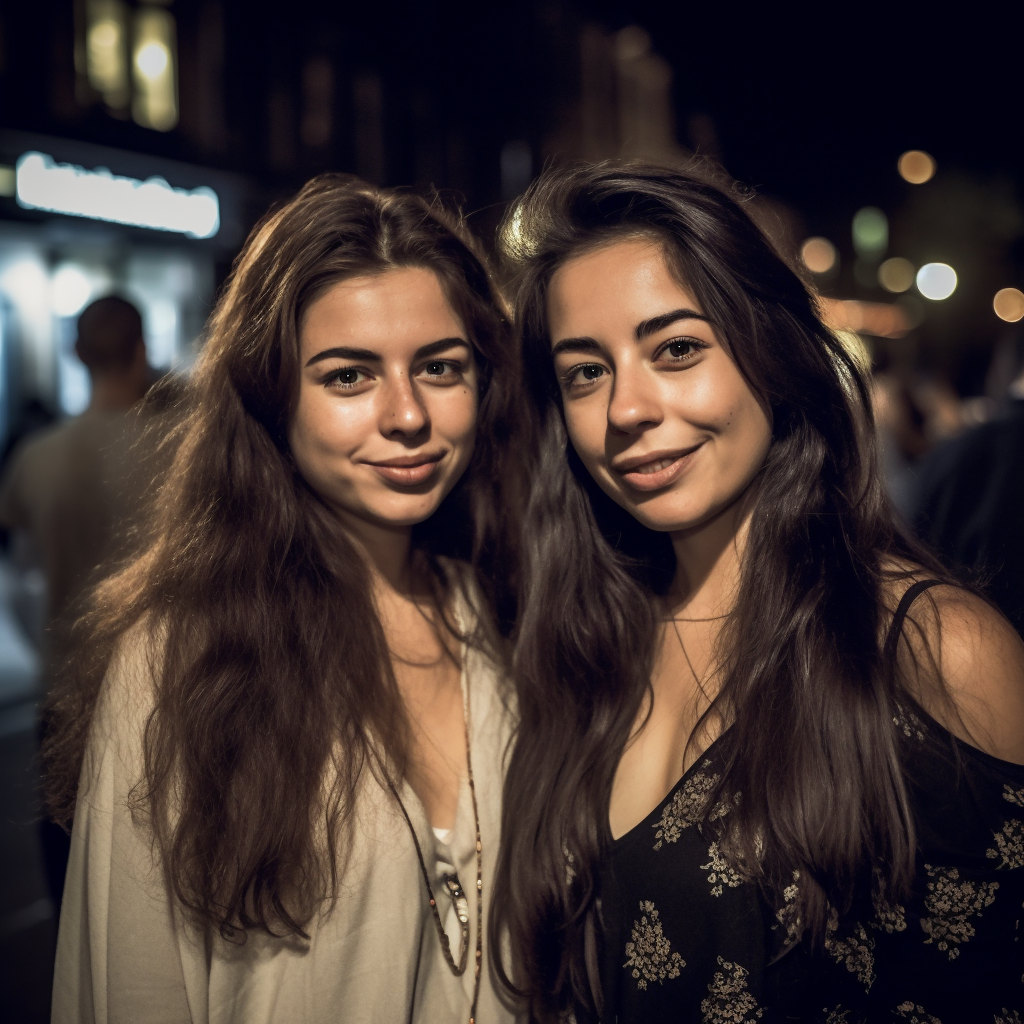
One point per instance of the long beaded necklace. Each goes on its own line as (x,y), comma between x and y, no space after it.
(453,885)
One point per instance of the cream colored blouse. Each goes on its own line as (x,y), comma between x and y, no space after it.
(125,955)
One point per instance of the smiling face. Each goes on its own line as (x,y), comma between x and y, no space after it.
(654,404)
(386,414)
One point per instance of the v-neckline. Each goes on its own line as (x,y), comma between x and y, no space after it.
(697,764)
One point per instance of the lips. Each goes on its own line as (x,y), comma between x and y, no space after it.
(655,470)
(407,470)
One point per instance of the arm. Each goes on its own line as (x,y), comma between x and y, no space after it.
(118,952)
(965,665)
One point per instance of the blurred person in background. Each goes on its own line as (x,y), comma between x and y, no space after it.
(72,490)
(281,738)
(770,759)
(968,497)
(69,486)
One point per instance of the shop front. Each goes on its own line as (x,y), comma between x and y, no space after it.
(78,221)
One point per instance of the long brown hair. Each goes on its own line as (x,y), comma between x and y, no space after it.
(272,672)
(810,762)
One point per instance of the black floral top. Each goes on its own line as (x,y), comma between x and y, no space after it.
(686,939)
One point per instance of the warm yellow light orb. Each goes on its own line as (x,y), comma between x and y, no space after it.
(916,166)
(152,60)
(1009,304)
(819,255)
(896,274)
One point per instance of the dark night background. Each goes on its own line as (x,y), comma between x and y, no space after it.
(810,107)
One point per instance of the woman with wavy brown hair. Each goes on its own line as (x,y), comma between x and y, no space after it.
(770,756)
(280,737)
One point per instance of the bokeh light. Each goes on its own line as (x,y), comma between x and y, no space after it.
(152,60)
(870,231)
(936,281)
(1009,304)
(896,274)
(70,290)
(916,166)
(819,255)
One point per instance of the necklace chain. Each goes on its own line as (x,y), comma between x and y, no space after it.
(453,885)
(675,625)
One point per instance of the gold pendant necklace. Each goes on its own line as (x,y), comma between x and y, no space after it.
(454,887)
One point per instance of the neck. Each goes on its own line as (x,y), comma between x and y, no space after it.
(113,393)
(708,561)
(387,550)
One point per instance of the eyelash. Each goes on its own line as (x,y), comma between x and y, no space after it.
(332,379)
(566,379)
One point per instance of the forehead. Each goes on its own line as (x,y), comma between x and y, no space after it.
(406,306)
(628,280)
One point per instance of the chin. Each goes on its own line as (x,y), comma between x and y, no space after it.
(664,515)
(404,513)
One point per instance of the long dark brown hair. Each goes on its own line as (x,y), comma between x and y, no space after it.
(810,757)
(272,672)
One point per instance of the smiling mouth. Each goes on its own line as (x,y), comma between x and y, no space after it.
(408,469)
(655,467)
(645,473)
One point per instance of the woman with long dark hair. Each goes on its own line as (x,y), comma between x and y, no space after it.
(280,737)
(769,755)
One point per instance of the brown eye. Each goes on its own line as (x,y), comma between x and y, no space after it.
(679,349)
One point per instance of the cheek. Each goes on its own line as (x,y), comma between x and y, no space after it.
(586,425)
(453,414)
(324,426)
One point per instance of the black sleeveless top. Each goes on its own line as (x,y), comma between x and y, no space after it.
(686,939)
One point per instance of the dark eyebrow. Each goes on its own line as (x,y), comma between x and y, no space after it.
(367,356)
(646,328)
(575,345)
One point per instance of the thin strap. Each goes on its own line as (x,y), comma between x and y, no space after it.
(910,595)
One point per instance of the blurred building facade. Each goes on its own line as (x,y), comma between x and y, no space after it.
(247,101)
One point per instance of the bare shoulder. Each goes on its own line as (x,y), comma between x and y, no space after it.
(965,663)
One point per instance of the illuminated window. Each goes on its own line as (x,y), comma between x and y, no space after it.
(154,71)
(106,51)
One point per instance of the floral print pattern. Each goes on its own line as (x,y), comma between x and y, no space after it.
(729,1001)
(720,873)
(854,950)
(908,723)
(1014,796)
(685,808)
(951,902)
(649,952)
(914,1014)
(1009,848)
(889,917)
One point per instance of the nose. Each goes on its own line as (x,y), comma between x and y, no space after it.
(403,413)
(634,403)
